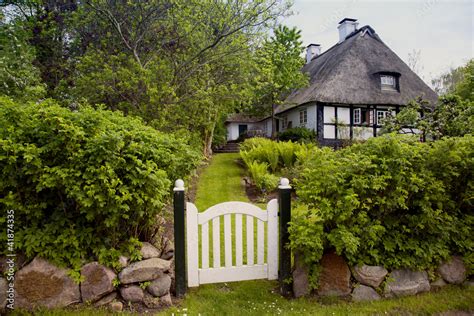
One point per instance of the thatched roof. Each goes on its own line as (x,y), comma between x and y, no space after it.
(243,118)
(348,73)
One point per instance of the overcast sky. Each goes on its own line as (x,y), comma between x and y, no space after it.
(440,30)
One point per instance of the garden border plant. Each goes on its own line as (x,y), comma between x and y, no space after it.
(85,184)
(390,201)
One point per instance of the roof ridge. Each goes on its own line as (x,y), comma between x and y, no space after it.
(373,34)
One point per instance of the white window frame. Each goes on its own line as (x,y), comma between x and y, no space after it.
(303,117)
(387,80)
(357,116)
(384,114)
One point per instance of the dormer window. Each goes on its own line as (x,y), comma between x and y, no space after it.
(388,82)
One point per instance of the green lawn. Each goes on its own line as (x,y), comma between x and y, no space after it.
(220,182)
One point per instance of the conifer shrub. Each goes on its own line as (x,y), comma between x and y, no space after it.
(84,184)
(390,201)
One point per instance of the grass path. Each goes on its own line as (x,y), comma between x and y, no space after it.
(220,182)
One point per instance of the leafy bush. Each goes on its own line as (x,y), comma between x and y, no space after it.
(276,154)
(84,184)
(260,176)
(255,142)
(298,134)
(287,151)
(391,201)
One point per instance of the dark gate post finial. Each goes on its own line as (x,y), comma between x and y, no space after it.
(284,204)
(180,252)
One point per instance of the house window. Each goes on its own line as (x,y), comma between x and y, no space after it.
(303,117)
(381,115)
(284,122)
(388,82)
(357,119)
(363,116)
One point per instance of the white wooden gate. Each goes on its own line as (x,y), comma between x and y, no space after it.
(230,271)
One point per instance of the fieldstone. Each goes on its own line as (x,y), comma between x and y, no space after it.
(41,284)
(469,283)
(98,281)
(165,300)
(370,275)
(160,286)
(106,299)
(168,250)
(123,261)
(149,251)
(300,277)
(3,293)
(145,270)
(335,276)
(453,271)
(132,293)
(150,301)
(5,262)
(116,306)
(439,283)
(406,282)
(364,293)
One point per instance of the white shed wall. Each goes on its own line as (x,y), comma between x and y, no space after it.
(293,116)
(232,131)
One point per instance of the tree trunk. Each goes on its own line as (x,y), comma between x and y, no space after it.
(208,135)
(273,122)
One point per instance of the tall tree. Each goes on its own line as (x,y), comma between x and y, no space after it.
(47,22)
(280,69)
(452,116)
(179,64)
(19,78)
(457,80)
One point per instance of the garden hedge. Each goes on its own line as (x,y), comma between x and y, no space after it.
(83,184)
(390,201)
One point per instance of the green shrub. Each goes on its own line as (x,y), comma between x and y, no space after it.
(255,142)
(260,176)
(276,154)
(287,153)
(84,184)
(298,134)
(272,156)
(390,201)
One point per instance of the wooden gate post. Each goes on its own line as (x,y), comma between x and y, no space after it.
(179,239)
(284,203)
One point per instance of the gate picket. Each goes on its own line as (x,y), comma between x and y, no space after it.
(229,272)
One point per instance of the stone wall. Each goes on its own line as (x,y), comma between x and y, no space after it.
(368,283)
(145,284)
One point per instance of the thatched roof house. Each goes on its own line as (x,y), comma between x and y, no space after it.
(353,86)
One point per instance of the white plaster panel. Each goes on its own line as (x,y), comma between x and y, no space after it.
(329,114)
(344,132)
(343,115)
(363,133)
(329,131)
(312,117)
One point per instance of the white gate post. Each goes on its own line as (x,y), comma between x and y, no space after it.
(272,239)
(192,244)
